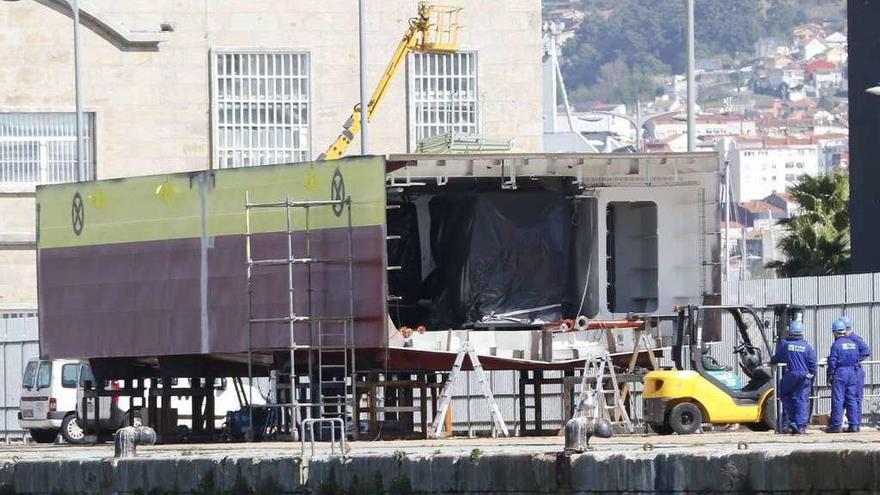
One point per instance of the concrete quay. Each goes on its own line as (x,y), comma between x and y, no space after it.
(721,463)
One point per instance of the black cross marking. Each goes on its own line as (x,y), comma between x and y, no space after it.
(78,214)
(337,192)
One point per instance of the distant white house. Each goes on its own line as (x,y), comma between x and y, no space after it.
(792,75)
(836,40)
(770,47)
(813,48)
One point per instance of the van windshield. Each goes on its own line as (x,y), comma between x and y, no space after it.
(44,375)
(30,375)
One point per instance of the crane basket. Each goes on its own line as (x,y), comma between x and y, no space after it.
(439,29)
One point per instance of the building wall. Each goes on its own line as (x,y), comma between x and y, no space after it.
(152,108)
(759,172)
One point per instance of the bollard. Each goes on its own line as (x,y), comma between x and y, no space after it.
(125,440)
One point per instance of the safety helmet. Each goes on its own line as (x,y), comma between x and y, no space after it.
(796,328)
(846,321)
(838,326)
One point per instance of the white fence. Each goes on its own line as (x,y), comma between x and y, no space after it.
(18,340)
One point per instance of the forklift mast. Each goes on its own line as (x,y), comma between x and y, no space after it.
(783,315)
(691,319)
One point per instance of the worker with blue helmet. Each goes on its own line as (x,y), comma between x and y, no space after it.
(864,350)
(846,376)
(797,378)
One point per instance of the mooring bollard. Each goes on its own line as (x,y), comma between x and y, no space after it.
(125,440)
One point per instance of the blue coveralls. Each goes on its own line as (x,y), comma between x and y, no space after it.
(864,353)
(797,381)
(847,380)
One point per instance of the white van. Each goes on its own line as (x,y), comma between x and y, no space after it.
(48,399)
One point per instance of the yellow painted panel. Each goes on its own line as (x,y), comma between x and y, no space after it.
(116,211)
(361,179)
(169,206)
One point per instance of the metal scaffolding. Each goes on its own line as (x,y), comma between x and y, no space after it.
(331,352)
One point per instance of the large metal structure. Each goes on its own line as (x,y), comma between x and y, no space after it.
(146,277)
(149,270)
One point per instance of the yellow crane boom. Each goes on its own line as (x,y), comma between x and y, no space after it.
(435,29)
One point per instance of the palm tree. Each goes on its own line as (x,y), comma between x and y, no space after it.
(818,238)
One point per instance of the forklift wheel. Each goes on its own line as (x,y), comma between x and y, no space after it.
(685,418)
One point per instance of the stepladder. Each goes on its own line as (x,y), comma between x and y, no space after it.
(599,388)
(467,349)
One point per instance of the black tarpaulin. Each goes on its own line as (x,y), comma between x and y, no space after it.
(497,253)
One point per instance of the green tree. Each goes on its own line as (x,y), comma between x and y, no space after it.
(818,238)
(648,37)
(782,15)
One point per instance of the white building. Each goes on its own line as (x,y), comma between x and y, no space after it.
(763,166)
(813,48)
(707,125)
(836,40)
(770,47)
(792,75)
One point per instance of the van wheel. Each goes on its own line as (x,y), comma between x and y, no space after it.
(44,436)
(71,430)
(685,418)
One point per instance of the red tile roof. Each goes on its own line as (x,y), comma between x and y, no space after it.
(760,206)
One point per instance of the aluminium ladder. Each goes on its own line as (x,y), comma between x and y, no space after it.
(446,395)
(598,368)
(331,353)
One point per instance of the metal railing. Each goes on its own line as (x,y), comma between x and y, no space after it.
(333,422)
(816,390)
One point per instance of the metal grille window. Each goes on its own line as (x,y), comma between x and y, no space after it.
(260,102)
(442,95)
(40,147)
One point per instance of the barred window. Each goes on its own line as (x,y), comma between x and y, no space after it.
(442,95)
(260,104)
(40,147)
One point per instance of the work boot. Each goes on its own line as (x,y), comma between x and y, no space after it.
(833,430)
(853,429)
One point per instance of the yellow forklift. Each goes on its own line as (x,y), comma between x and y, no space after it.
(700,390)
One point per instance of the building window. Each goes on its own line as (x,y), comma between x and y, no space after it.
(790,177)
(40,147)
(442,95)
(260,104)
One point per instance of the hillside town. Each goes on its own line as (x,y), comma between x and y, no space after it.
(778,114)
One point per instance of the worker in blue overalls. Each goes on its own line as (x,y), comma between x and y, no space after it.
(797,379)
(846,376)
